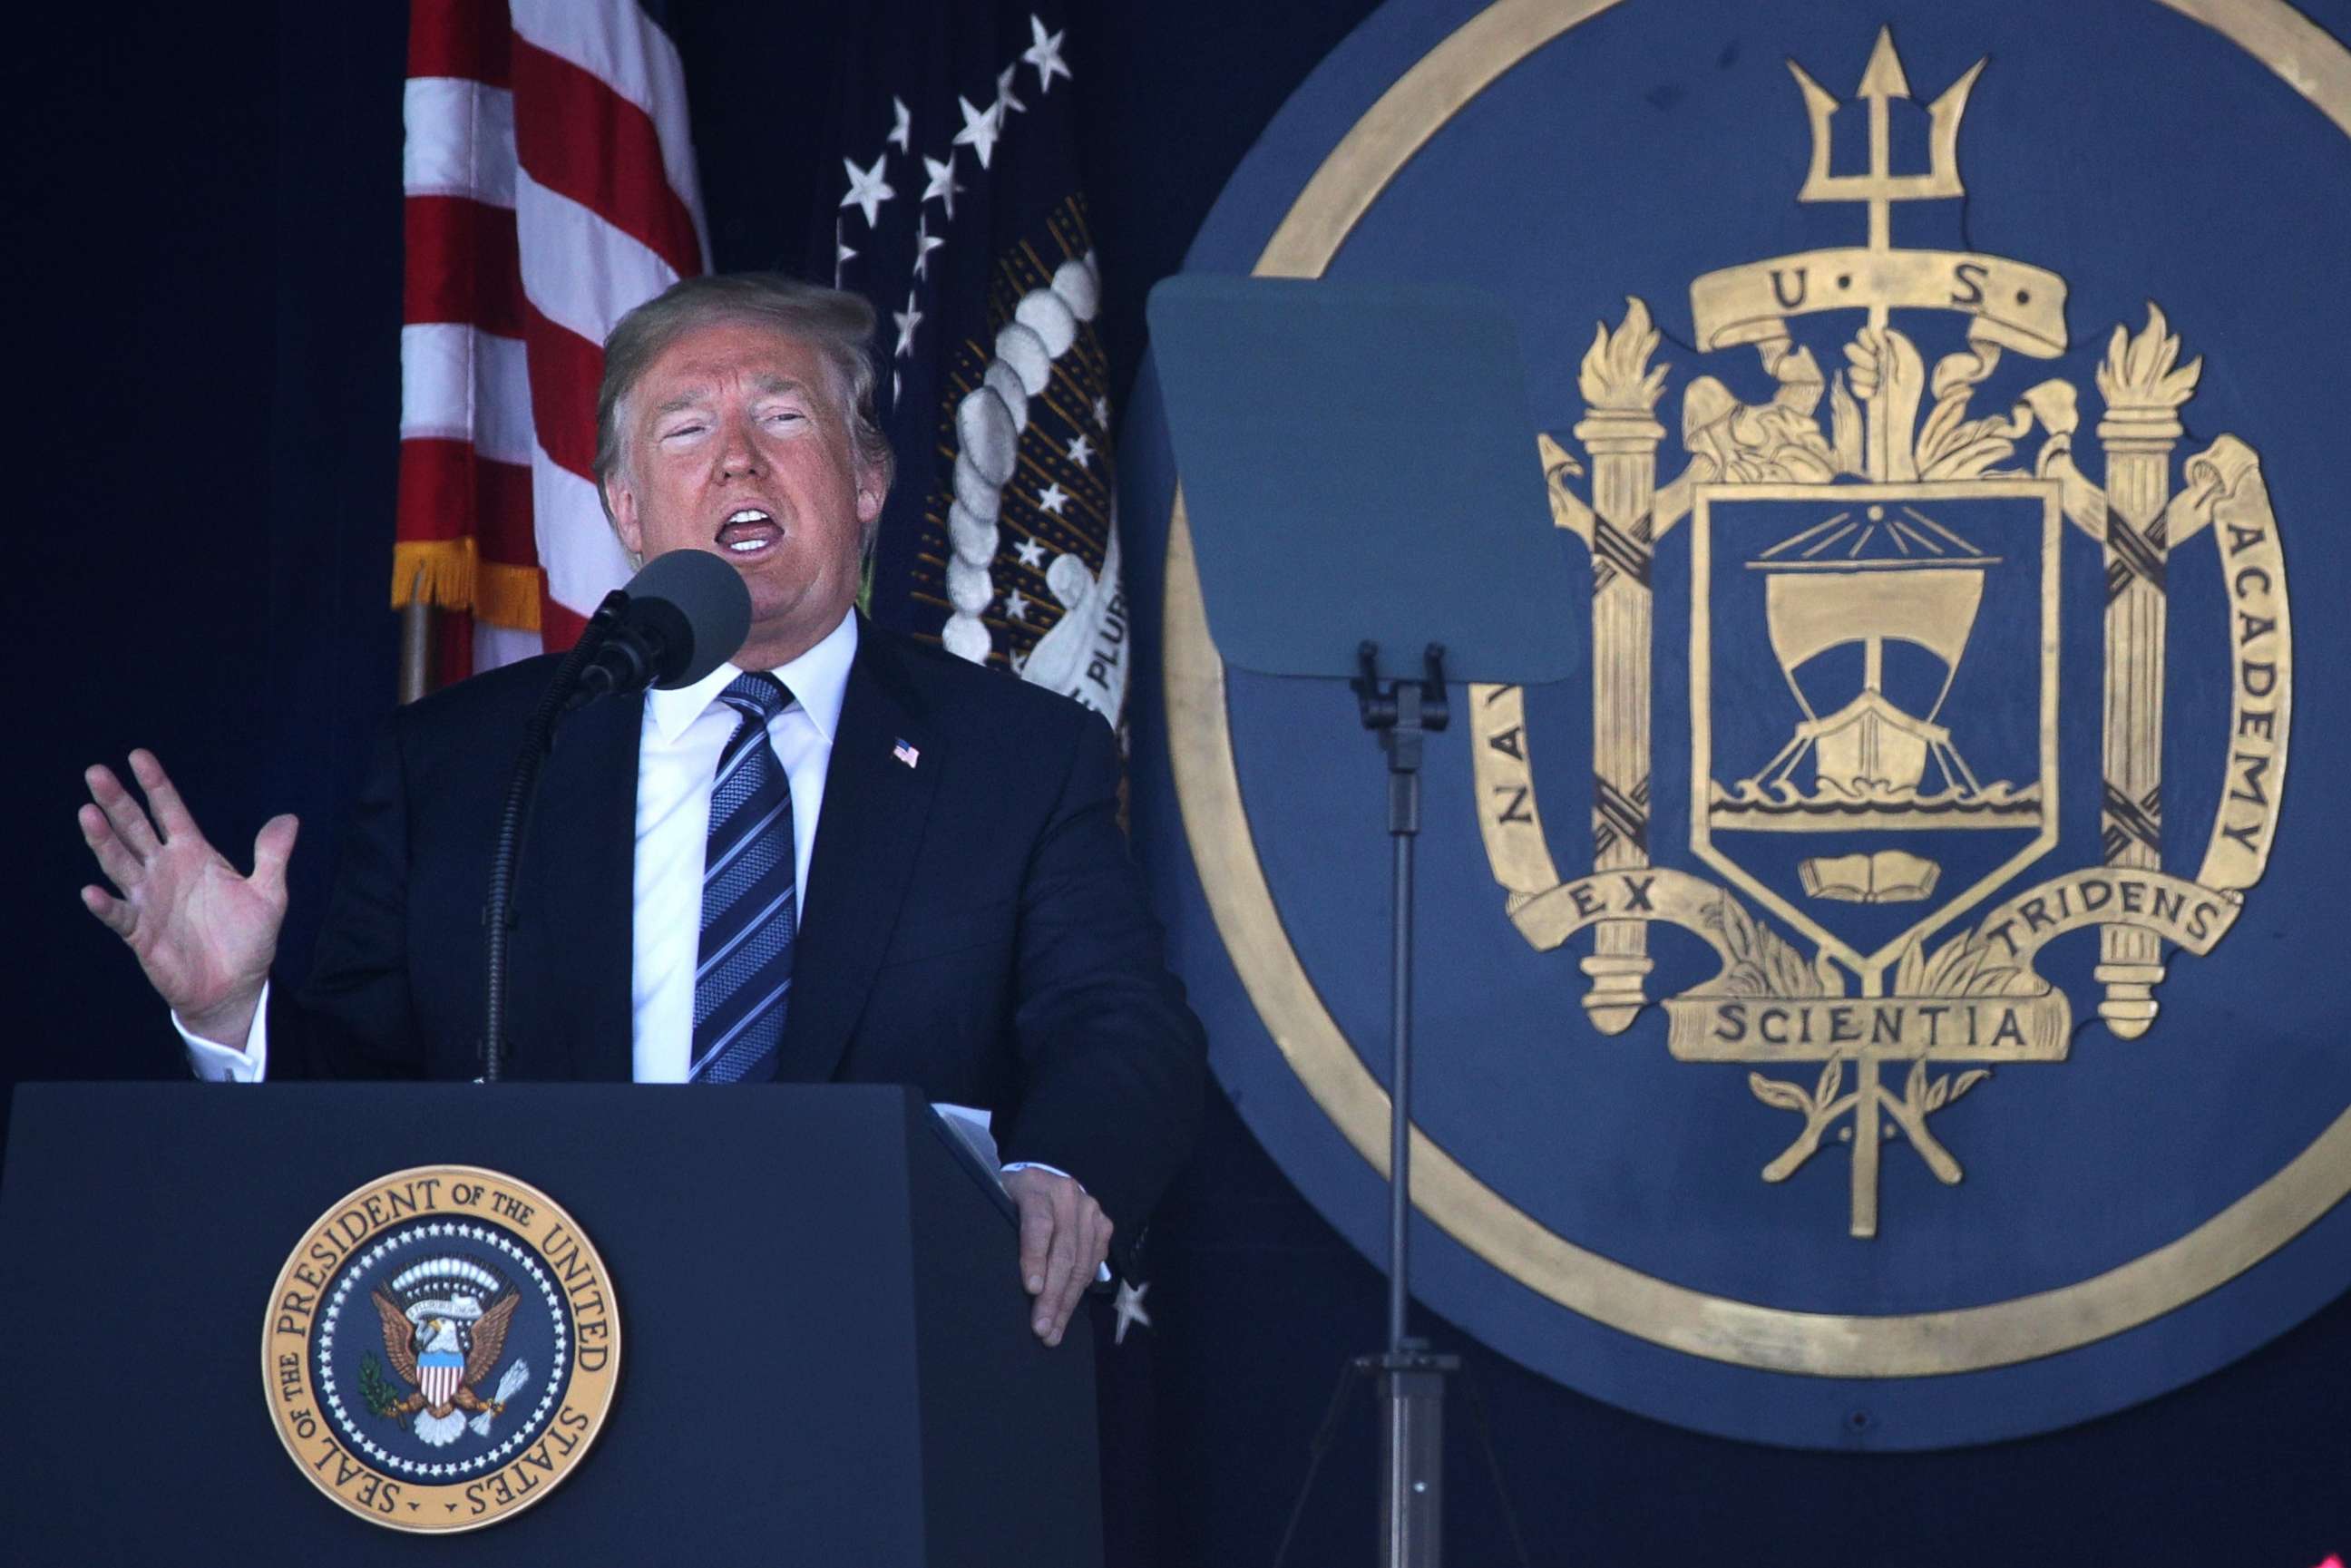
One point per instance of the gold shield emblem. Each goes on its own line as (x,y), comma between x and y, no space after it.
(1871,556)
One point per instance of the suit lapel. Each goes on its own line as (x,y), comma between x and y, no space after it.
(875,808)
(574,952)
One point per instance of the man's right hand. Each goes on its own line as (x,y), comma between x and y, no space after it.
(205,935)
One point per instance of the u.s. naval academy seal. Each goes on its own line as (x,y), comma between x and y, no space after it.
(1883,1002)
(441,1349)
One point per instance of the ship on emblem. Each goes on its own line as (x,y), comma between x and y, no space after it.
(1871,579)
(1873,665)
(445,1328)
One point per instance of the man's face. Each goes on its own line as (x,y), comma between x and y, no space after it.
(733,443)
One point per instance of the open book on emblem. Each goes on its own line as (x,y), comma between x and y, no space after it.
(1889,876)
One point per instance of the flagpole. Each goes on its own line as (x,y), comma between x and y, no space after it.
(416,642)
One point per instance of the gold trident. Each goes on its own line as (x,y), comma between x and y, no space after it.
(1882,82)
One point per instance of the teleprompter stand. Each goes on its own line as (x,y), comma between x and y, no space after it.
(1283,401)
(1411,1377)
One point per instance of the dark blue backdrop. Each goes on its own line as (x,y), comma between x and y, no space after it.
(207,278)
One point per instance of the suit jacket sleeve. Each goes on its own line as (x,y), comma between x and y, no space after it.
(352,1019)
(1112,1060)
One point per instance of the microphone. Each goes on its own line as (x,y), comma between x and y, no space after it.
(681,617)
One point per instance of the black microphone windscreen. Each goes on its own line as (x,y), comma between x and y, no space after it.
(705,612)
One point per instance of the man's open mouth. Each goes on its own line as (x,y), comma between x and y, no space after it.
(747,531)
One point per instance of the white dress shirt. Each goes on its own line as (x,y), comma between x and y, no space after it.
(677,761)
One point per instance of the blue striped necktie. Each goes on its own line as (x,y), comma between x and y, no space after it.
(743,976)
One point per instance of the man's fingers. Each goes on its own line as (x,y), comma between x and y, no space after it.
(1097,1251)
(118,916)
(272,848)
(1061,1283)
(172,818)
(1064,1236)
(130,822)
(120,866)
(1036,1238)
(1089,1230)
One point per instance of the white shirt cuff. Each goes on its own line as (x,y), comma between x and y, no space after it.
(1041,1166)
(217,1064)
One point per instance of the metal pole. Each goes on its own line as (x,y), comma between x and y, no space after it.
(1411,1380)
(416,642)
(1412,1450)
(1403,788)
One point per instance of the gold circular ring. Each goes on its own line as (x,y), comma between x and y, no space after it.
(1224,849)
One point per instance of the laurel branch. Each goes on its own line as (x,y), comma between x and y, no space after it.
(376,1388)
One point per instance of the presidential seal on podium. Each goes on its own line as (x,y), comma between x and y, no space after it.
(441,1349)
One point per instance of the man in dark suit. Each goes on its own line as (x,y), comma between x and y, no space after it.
(842,856)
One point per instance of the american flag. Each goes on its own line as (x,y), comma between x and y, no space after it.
(551,187)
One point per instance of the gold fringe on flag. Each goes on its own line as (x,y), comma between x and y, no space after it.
(450,575)
(438,571)
(507,595)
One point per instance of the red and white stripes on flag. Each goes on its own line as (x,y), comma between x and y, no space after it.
(550,188)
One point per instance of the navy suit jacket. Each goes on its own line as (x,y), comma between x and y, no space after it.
(973,925)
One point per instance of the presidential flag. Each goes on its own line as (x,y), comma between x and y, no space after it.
(957,211)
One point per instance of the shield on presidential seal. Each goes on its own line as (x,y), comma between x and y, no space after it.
(439,1373)
(1873,700)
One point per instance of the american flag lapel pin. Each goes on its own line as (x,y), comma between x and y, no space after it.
(905,752)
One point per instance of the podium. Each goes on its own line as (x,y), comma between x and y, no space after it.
(826,1356)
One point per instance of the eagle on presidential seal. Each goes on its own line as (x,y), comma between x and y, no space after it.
(445,1327)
